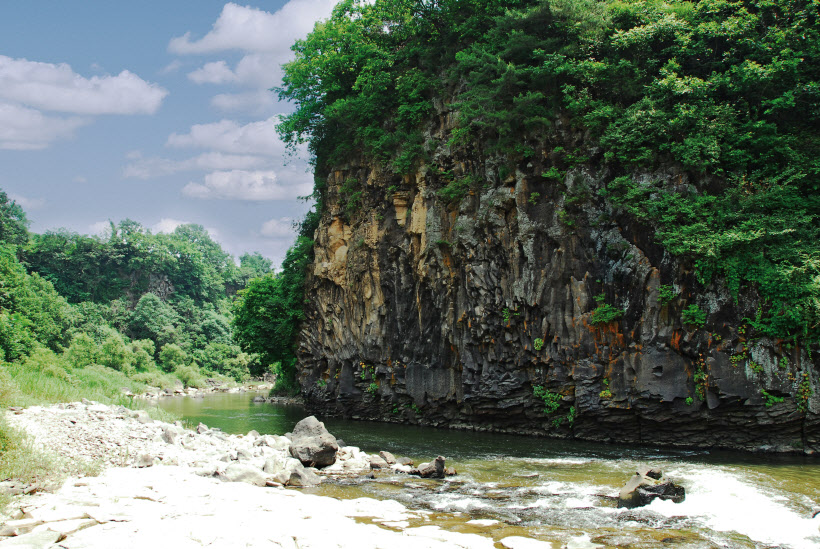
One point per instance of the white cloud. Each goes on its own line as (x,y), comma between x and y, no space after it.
(28,203)
(79,179)
(167,225)
(260,102)
(145,168)
(58,88)
(228,136)
(22,128)
(216,72)
(278,228)
(248,185)
(171,67)
(253,30)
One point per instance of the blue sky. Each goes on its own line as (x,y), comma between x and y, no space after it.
(154,111)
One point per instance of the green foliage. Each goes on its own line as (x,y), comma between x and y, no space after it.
(552,401)
(689,401)
(605,393)
(373,388)
(770,400)
(115,354)
(533,199)
(538,343)
(693,316)
(455,190)
(728,91)
(267,314)
(82,352)
(172,357)
(189,375)
(804,392)
(154,319)
(604,313)
(666,294)
(13,222)
(30,310)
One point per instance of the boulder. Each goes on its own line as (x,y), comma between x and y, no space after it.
(170,433)
(646,485)
(303,478)
(388,457)
(259,399)
(201,428)
(243,472)
(377,462)
(243,454)
(312,444)
(405,461)
(434,469)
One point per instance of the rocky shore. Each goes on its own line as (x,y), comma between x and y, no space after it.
(166,485)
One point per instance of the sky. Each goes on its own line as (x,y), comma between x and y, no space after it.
(156,111)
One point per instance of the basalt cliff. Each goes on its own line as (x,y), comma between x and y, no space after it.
(532,304)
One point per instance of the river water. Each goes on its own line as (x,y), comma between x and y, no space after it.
(560,492)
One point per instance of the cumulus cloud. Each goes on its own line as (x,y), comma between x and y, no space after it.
(22,128)
(254,30)
(51,87)
(216,72)
(278,228)
(263,37)
(257,185)
(145,168)
(230,137)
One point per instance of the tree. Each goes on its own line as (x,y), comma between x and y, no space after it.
(13,222)
(267,314)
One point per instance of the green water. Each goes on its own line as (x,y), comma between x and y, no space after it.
(560,491)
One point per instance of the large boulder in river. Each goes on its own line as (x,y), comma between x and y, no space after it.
(433,469)
(646,485)
(243,472)
(312,444)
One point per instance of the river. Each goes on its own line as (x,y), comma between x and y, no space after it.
(560,491)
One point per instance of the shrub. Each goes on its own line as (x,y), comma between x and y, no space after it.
(172,356)
(693,316)
(82,352)
(115,354)
(189,375)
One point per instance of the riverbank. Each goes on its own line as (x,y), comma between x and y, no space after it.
(160,484)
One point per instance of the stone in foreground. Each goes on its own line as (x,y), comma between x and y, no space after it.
(645,486)
(312,444)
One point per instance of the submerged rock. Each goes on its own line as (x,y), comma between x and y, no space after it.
(646,485)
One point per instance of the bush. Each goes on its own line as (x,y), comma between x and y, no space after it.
(115,354)
(189,375)
(82,352)
(155,378)
(172,356)
(693,316)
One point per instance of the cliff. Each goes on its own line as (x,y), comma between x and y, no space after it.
(528,302)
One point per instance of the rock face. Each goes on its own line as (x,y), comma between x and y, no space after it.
(453,312)
(647,485)
(312,444)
